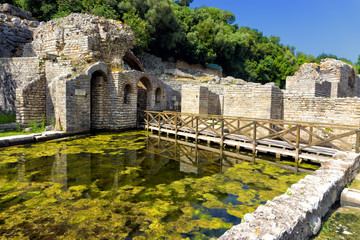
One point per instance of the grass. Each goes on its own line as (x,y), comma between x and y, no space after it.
(341,224)
(10,118)
(7,118)
(12,133)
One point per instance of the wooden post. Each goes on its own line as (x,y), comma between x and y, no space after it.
(197,128)
(196,154)
(269,128)
(221,158)
(222,133)
(254,139)
(147,121)
(159,124)
(297,152)
(176,148)
(310,136)
(238,125)
(176,124)
(357,150)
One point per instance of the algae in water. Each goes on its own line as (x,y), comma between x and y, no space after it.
(107,186)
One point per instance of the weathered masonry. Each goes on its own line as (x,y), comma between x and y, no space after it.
(73,74)
(327,93)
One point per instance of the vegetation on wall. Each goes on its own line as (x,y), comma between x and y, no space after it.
(169,28)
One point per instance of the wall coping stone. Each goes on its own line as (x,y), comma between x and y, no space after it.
(297,213)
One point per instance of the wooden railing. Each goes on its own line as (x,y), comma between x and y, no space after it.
(297,136)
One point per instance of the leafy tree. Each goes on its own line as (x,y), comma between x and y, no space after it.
(168,28)
(184,2)
(139,28)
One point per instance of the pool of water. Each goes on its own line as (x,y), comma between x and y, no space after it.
(130,186)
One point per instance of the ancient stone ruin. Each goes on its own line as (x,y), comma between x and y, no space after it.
(73,73)
(328,92)
(80,74)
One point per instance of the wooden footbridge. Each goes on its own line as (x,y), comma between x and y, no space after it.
(301,140)
(205,158)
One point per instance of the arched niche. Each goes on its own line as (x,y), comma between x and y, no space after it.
(158,96)
(98,93)
(128,92)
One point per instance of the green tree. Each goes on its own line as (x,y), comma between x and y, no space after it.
(184,2)
(139,28)
(357,65)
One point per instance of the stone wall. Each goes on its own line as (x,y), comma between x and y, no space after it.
(16,29)
(83,38)
(80,61)
(298,107)
(30,101)
(297,214)
(346,111)
(173,89)
(254,101)
(216,100)
(15,73)
(194,99)
(96,100)
(332,78)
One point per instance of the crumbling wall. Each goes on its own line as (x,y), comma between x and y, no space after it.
(30,101)
(84,38)
(341,76)
(15,73)
(332,78)
(56,72)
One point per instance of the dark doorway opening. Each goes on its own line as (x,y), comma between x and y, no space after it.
(98,82)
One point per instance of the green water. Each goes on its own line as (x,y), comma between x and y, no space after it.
(129,186)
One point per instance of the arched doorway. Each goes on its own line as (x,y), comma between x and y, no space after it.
(144,88)
(98,81)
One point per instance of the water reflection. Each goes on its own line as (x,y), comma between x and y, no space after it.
(160,157)
(145,185)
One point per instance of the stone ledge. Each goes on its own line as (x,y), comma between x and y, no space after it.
(35,137)
(297,213)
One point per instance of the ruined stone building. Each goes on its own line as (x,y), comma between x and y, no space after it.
(328,92)
(73,73)
(79,73)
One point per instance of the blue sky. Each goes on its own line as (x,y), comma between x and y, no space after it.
(312,26)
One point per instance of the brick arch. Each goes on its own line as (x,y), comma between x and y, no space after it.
(144,95)
(133,62)
(145,82)
(99,66)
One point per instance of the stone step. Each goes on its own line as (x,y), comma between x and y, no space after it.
(350,198)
